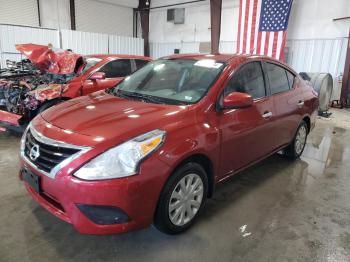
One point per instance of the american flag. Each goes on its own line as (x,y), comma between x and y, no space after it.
(262,27)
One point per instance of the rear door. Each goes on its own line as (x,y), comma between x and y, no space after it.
(288,101)
(246,132)
(115,71)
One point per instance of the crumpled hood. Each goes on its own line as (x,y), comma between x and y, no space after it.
(47,92)
(109,117)
(53,60)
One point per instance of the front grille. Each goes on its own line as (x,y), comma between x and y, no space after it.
(49,155)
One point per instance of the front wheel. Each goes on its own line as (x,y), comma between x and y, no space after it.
(296,148)
(182,199)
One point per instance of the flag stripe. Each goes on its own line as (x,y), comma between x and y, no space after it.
(266,46)
(246,27)
(257,15)
(253,29)
(258,46)
(249,29)
(271,39)
(279,43)
(283,45)
(239,27)
(263,40)
(242,26)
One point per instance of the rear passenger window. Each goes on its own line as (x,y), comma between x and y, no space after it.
(140,63)
(277,78)
(248,79)
(117,68)
(290,77)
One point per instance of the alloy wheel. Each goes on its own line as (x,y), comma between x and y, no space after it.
(300,140)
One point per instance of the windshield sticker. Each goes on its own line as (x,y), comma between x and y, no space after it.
(189,98)
(209,63)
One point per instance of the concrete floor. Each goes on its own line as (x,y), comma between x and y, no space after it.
(277,210)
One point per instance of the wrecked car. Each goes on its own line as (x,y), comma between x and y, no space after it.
(50,76)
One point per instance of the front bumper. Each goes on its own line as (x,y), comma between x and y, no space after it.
(135,196)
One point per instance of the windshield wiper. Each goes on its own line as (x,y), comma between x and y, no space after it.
(120,94)
(143,97)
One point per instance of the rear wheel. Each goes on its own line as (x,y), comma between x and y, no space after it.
(296,148)
(182,199)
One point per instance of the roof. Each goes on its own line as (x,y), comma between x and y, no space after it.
(120,56)
(226,58)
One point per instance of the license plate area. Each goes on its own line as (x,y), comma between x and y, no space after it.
(32,179)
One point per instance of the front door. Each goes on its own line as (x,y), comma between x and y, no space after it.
(247,133)
(115,72)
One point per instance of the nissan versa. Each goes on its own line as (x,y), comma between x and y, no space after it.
(152,148)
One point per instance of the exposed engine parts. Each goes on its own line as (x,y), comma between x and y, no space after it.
(17,83)
(26,85)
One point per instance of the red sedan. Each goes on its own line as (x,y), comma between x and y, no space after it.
(100,72)
(152,149)
(93,73)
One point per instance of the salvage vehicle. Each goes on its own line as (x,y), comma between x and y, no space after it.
(152,148)
(52,76)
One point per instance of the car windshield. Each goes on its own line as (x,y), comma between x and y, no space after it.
(90,62)
(177,81)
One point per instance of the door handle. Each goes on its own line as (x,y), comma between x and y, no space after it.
(267,115)
(300,103)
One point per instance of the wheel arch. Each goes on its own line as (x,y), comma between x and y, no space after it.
(206,163)
(52,102)
(307,120)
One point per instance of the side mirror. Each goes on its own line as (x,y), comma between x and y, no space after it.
(98,76)
(237,100)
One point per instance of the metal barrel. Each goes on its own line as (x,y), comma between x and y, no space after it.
(323,85)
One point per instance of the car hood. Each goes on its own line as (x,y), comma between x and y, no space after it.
(108,117)
(53,60)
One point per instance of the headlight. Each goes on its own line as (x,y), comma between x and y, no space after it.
(23,139)
(122,160)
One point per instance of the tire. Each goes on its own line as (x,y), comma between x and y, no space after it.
(296,147)
(48,105)
(185,205)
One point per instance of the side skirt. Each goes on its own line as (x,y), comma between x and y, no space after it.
(232,173)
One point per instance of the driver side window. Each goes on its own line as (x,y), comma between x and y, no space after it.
(117,68)
(248,79)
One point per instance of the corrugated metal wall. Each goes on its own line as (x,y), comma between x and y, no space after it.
(19,12)
(125,45)
(228,47)
(321,55)
(79,42)
(11,35)
(311,55)
(103,17)
(163,49)
(84,42)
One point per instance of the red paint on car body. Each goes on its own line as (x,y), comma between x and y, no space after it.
(231,140)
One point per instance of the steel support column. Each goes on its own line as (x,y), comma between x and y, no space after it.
(215,20)
(345,90)
(72,14)
(144,17)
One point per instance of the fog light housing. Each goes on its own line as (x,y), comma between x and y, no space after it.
(104,215)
